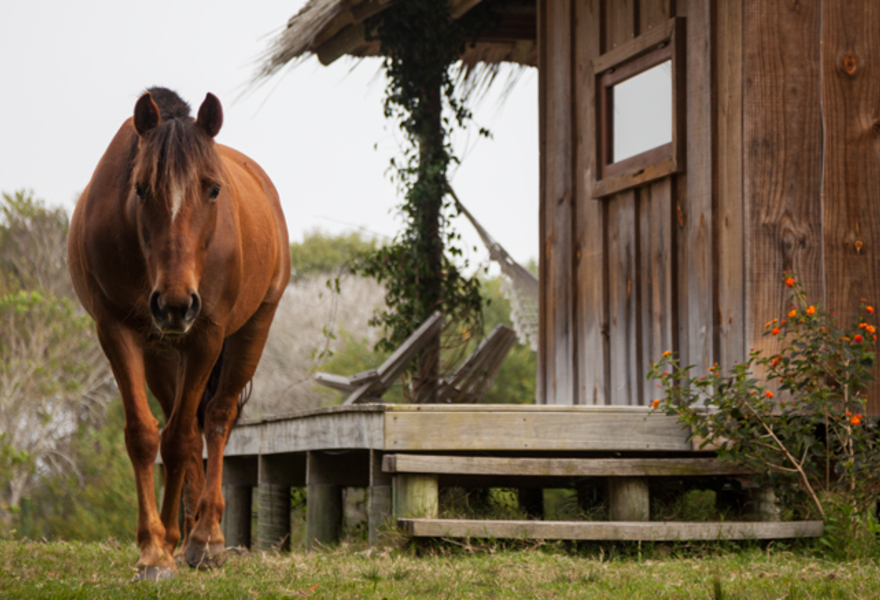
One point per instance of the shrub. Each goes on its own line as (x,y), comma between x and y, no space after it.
(799,428)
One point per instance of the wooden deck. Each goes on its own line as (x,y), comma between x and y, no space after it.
(463,427)
(403,455)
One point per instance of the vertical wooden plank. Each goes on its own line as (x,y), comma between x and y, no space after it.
(783,157)
(851,185)
(655,264)
(653,13)
(730,219)
(693,208)
(544,335)
(621,300)
(655,284)
(620,23)
(620,27)
(592,323)
(557,308)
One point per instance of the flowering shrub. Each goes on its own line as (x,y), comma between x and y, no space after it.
(800,427)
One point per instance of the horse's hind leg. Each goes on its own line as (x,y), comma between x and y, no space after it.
(241,354)
(142,442)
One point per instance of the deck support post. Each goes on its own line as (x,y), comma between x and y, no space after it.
(629,498)
(378,497)
(277,474)
(327,474)
(273,517)
(323,514)
(764,505)
(415,496)
(236,522)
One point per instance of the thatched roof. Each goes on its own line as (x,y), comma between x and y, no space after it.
(331,29)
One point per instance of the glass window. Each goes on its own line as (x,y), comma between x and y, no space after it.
(642,112)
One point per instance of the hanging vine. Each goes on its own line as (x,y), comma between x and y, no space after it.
(421,42)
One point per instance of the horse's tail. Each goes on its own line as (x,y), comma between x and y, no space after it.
(211,389)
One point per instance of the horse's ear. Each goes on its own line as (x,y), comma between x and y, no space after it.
(210,115)
(146,114)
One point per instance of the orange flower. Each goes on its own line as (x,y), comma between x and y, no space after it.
(665,372)
(775,361)
(848,414)
(870,310)
(790,282)
(858,339)
(811,310)
(855,420)
(667,353)
(870,328)
(792,314)
(768,393)
(655,403)
(775,331)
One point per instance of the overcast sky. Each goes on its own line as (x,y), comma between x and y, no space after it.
(72,71)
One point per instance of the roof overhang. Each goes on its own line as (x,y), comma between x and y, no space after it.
(331,29)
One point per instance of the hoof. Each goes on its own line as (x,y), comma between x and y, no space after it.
(205,556)
(154,573)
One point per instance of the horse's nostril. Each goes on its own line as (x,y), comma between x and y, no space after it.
(156,305)
(194,307)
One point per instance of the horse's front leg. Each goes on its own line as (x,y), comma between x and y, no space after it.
(163,368)
(181,440)
(240,358)
(126,355)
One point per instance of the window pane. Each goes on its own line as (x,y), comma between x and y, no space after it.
(643,112)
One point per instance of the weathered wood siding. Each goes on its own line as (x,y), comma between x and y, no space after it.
(782,172)
(851,174)
(632,255)
(556,380)
(782,158)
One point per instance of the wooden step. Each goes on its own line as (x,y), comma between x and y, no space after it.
(558,467)
(611,530)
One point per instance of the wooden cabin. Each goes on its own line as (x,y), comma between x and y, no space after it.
(772,164)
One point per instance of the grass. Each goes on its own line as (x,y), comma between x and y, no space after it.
(103,570)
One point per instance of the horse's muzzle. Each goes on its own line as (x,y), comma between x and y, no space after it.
(174,318)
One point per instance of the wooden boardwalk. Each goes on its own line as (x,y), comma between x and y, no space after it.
(403,455)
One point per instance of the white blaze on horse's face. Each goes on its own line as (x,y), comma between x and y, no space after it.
(176,180)
(177,196)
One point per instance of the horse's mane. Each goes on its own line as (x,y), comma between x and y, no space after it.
(175,151)
(171,106)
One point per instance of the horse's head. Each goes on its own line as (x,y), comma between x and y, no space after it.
(176,181)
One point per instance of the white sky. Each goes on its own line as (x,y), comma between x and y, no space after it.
(72,71)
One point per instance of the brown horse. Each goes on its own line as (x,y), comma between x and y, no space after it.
(178,250)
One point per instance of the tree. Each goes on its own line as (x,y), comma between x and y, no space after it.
(421,41)
(53,376)
(33,246)
(324,253)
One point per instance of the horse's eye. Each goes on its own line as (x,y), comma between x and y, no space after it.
(139,191)
(215,191)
